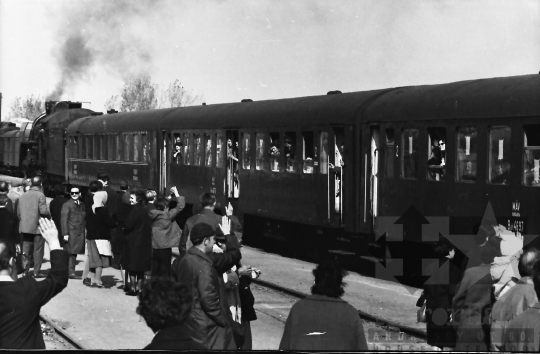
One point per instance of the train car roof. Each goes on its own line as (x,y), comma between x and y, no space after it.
(307,111)
(515,96)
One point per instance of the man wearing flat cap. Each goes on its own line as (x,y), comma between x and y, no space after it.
(207,323)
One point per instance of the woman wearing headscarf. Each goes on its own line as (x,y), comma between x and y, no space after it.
(118,237)
(98,227)
(137,256)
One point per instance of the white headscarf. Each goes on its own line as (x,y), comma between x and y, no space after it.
(100,198)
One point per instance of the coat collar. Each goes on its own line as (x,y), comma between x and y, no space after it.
(525,280)
(316,297)
(197,252)
(35,188)
(536,305)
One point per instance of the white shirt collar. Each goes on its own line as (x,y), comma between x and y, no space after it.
(4,277)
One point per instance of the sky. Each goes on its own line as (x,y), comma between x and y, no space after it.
(227,51)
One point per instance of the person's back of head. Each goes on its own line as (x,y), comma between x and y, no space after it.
(161,203)
(3,200)
(527,261)
(164,303)
(491,249)
(26,183)
(140,195)
(7,252)
(103,176)
(58,190)
(4,187)
(150,196)
(36,181)
(124,185)
(329,279)
(484,232)
(95,186)
(443,247)
(208,200)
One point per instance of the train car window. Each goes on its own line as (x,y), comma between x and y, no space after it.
(198,149)
(103,147)
(89,146)
(531,155)
(436,154)
(144,147)
(499,155)
(118,148)
(220,150)
(110,147)
(466,154)
(208,150)
(260,142)
(246,151)
(136,147)
(290,151)
(275,151)
(390,153)
(178,149)
(127,147)
(84,144)
(308,152)
(187,149)
(97,145)
(409,153)
(323,140)
(151,146)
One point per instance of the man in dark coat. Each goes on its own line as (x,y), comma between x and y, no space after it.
(208,321)
(9,223)
(473,301)
(56,209)
(523,333)
(73,222)
(31,206)
(4,190)
(21,300)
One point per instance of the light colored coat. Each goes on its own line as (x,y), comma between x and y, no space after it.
(31,206)
(523,333)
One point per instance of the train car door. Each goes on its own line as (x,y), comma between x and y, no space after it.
(164,162)
(233,176)
(374,196)
(371,149)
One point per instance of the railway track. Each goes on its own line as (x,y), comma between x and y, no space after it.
(58,330)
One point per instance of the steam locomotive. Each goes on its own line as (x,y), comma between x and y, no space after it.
(335,173)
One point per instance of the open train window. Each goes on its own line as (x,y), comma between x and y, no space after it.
(220,150)
(119,147)
(499,155)
(96,155)
(84,145)
(75,149)
(178,148)
(275,151)
(466,156)
(208,150)
(260,151)
(103,146)
(290,151)
(145,147)
(323,141)
(197,149)
(110,147)
(127,147)
(308,152)
(390,153)
(136,147)
(187,149)
(409,153)
(531,155)
(436,154)
(246,151)
(89,146)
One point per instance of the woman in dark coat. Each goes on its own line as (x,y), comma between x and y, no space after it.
(473,301)
(439,291)
(137,256)
(118,237)
(333,323)
(98,226)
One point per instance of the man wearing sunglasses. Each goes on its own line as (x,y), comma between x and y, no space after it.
(73,224)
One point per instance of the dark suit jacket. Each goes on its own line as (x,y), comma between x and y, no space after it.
(174,338)
(9,226)
(112,200)
(21,301)
(56,213)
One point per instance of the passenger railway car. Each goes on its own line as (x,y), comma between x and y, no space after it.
(328,172)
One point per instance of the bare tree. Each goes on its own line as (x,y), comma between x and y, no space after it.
(111,102)
(29,108)
(177,96)
(138,94)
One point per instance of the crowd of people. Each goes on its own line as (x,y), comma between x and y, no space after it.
(489,300)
